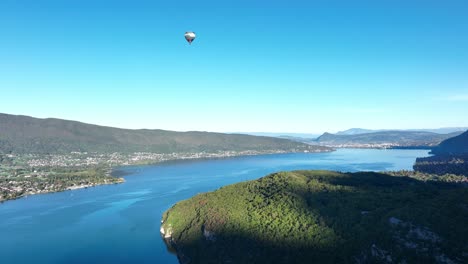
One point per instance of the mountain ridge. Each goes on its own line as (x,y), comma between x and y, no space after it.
(25,134)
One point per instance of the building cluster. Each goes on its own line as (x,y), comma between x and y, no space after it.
(364,145)
(85,159)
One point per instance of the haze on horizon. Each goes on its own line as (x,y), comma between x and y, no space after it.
(293,66)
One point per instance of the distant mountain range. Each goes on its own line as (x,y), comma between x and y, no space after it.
(356,131)
(384,139)
(443,130)
(24,134)
(360,137)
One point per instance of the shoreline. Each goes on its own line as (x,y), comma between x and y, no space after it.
(118,171)
(346,146)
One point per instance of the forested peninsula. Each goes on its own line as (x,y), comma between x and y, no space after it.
(323,217)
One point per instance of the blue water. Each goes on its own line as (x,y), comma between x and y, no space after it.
(120,223)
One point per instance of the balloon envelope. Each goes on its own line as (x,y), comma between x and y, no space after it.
(190,36)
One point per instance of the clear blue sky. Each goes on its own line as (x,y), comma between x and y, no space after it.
(277,66)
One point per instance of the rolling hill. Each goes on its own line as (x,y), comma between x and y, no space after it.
(24,134)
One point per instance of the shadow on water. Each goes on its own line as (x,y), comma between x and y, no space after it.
(325,217)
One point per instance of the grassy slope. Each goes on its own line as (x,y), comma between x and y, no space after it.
(322,217)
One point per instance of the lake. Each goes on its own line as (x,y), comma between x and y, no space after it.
(120,223)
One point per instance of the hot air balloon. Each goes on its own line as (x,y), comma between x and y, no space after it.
(190,36)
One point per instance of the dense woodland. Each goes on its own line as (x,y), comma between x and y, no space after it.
(443,164)
(323,217)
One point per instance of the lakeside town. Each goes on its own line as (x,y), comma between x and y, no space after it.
(28,174)
(366,145)
(76,159)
